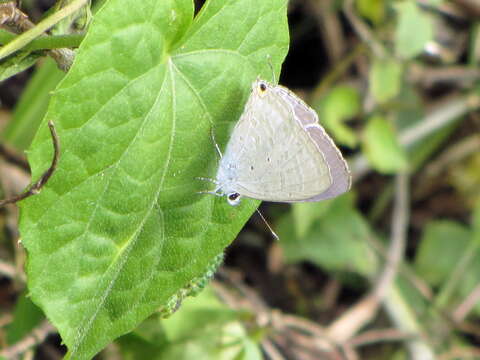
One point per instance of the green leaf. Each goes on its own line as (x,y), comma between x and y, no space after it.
(381,146)
(17,63)
(32,106)
(120,229)
(411,113)
(340,105)
(449,251)
(373,10)
(441,247)
(385,79)
(305,214)
(414,29)
(337,241)
(26,316)
(202,329)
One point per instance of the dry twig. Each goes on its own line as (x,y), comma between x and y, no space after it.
(362,30)
(303,332)
(37,186)
(14,20)
(382,335)
(467,305)
(360,314)
(35,337)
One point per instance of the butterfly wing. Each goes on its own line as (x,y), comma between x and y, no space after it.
(281,153)
(308,118)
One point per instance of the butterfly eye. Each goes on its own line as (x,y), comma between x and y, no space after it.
(262,87)
(233,199)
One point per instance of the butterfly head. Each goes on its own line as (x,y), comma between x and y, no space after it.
(261,87)
(234,198)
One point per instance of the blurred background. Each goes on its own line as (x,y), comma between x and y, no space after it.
(390,270)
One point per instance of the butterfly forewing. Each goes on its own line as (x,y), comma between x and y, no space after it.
(276,159)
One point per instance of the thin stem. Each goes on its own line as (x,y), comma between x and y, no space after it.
(377,336)
(38,185)
(363,30)
(36,336)
(362,313)
(7,269)
(398,239)
(405,320)
(439,118)
(340,68)
(467,305)
(25,38)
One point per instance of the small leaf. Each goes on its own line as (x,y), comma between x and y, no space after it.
(337,241)
(373,10)
(17,63)
(445,245)
(414,30)
(385,79)
(476,220)
(381,146)
(441,247)
(340,105)
(26,316)
(305,214)
(464,176)
(202,329)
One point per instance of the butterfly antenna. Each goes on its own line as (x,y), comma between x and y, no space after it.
(212,135)
(269,59)
(268,225)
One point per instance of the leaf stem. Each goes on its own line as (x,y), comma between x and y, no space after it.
(46,42)
(28,36)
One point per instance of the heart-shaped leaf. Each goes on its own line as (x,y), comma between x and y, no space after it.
(120,230)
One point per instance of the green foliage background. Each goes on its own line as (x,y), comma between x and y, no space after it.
(120,236)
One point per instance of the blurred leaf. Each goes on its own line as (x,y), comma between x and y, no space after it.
(411,112)
(476,220)
(26,316)
(373,10)
(305,214)
(442,245)
(414,29)
(340,105)
(32,106)
(464,176)
(385,79)
(412,296)
(381,146)
(16,63)
(337,241)
(435,3)
(79,19)
(446,245)
(202,329)
(474,51)
(120,229)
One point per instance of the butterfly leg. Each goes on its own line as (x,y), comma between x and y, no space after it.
(216,193)
(207,179)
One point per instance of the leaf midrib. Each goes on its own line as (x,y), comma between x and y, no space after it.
(121,260)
